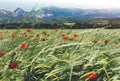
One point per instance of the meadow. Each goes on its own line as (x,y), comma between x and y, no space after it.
(60,55)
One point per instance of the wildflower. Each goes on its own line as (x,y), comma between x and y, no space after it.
(24,46)
(91,75)
(95,40)
(64,35)
(43,39)
(75,35)
(13,35)
(2,52)
(56,30)
(44,33)
(106,41)
(71,38)
(28,29)
(13,65)
(37,35)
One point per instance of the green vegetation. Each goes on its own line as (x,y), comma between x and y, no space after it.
(96,23)
(59,55)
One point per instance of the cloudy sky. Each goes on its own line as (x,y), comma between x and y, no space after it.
(83,4)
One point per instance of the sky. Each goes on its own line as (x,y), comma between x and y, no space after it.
(82,4)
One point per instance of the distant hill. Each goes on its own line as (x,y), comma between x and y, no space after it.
(55,14)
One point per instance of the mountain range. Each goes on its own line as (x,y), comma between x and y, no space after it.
(54,14)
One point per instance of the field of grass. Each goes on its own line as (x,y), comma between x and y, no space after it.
(60,55)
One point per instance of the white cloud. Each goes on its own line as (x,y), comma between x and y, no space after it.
(87,3)
(28,4)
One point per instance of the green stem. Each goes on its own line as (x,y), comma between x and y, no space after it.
(70,79)
(106,72)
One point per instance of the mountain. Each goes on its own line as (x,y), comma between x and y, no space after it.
(20,11)
(94,13)
(58,14)
(5,14)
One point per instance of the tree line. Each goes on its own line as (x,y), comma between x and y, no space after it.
(77,25)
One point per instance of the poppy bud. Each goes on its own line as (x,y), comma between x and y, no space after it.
(13,65)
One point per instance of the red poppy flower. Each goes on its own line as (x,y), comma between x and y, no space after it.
(44,33)
(28,29)
(2,52)
(106,41)
(13,35)
(95,41)
(56,30)
(64,35)
(91,75)
(71,38)
(44,39)
(75,35)
(24,46)
(37,35)
(13,65)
